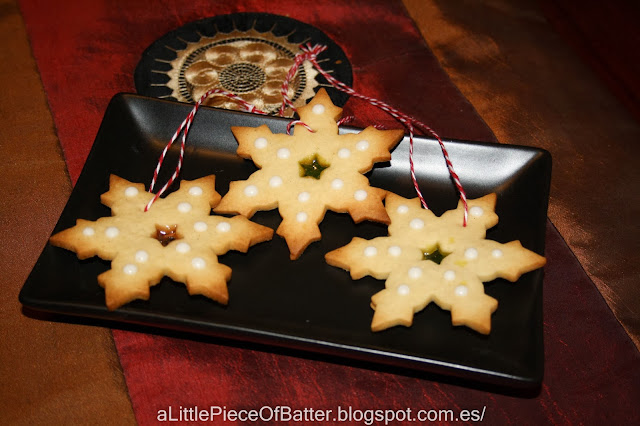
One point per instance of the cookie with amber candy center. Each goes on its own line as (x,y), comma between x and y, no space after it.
(427,259)
(310,172)
(177,237)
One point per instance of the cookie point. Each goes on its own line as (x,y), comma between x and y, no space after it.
(320,106)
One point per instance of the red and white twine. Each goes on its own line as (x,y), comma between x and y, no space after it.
(310,53)
(184,129)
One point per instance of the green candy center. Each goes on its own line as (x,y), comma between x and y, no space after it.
(434,255)
(313,166)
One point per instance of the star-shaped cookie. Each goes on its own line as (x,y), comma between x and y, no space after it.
(428,259)
(310,172)
(177,237)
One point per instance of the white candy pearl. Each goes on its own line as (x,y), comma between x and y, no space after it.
(403,289)
(141,256)
(461,290)
(415,273)
(360,195)
(198,263)
(318,109)
(223,227)
(283,153)
(184,207)
(275,181)
(260,143)
(251,190)
(370,251)
(302,217)
(88,231)
(394,251)
(196,191)
(497,253)
(362,145)
(471,253)
(337,184)
(416,223)
(303,197)
(130,269)
(476,211)
(183,247)
(344,153)
(112,232)
(402,209)
(200,226)
(449,275)
(131,192)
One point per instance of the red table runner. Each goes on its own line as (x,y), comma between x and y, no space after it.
(87,52)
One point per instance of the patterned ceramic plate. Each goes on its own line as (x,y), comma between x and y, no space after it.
(247,54)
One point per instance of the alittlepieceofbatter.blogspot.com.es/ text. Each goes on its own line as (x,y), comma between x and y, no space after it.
(290,415)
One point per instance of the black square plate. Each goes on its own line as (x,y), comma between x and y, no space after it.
(307,304)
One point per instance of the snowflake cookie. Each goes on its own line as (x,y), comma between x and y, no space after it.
(310,172)
(177,237)
(427,259)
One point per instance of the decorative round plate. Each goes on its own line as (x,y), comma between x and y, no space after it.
(247,54)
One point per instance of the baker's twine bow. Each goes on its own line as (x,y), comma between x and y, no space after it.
(310,53)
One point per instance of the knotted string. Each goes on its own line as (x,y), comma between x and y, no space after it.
(310,53)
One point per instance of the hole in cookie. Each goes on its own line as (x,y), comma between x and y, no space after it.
(313,166)
(166,233)
(433,254)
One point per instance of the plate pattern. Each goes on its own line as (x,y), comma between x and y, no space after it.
(246,54)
